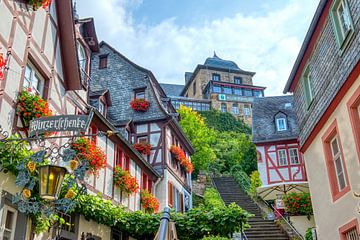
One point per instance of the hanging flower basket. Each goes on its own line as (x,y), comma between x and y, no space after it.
(179,155)
(3,61)
(125,181)
(30,105)
(92,154)
(149,202)
(39,3)
(143,148)
(140,105)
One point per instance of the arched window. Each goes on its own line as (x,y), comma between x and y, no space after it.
(82,57)
(281,122)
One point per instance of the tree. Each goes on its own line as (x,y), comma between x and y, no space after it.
(200,136)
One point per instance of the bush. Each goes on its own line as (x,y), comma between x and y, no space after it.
(308,235)
(212,198)
(298,204)
(255,182)
(241,178)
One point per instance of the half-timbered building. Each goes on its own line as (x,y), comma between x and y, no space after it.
(156,125)
(275,134)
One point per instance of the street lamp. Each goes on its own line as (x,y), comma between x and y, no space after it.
(51,179)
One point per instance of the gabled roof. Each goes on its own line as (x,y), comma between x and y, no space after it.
(172,89)
(263,120)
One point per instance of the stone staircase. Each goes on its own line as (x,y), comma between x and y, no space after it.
(260,228)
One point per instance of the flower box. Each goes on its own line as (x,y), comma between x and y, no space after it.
(143,148)
(88,151)
(140,105)
(179,155)
(30,105)
(298,204)
(149,202)
(125,181)
(3,61)
(39,3)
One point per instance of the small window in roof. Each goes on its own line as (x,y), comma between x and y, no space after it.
(281,124)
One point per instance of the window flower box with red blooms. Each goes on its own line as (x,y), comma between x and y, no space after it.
(3,62)
(39,3)
(149,202)
(298,204)
(143,148)
(30,105)
(179,155)
(125,181)
(140,105)
(88,151)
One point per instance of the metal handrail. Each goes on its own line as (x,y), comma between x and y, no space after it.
(284,219)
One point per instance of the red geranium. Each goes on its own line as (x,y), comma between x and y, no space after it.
(143,148)
(30,105)
(125,181)
(180,155)
(88,151)
(140,105)
(149,202)
(40,3)
(3,61)
(298,203)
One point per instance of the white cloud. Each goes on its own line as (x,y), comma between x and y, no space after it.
(265,44)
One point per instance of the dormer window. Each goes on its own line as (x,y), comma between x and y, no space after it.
(281,124)
(140,94)
(216,77)
(102,108)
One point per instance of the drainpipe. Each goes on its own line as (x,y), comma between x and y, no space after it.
(164,223)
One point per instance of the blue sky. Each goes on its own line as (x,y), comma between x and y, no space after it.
(170,37)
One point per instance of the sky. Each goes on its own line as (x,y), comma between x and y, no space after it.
(170,37)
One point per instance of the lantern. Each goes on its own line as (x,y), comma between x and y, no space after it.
(51,179)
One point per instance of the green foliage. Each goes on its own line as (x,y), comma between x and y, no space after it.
(212,198)
(214,238)
(224,122)
(12,154)
(255,182)
(241,178)
(200,136)
(214,221)
(298,203)
(197,200)
(308,235)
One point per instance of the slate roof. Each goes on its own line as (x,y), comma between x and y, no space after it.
(172,90)
(263,119)
(217,62)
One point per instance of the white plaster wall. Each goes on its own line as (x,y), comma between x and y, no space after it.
(262,165)
(92,227)
(302,223)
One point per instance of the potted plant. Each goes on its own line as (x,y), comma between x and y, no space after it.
(30,105)
(180,156)
(92,154)
(125,181)
(140,105)
(143,147)
(149,202)
(39,3)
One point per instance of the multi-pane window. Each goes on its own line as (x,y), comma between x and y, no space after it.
(235,109)
(282,157)
(216,89)
(237,80)
(281,124)
(227,90)
(308,87)
(248,92)
(81,57)
(246,111)
(215,77)
(34,80)
(101,107)
(343,24)
(338,163)
(294,156)
(223,107)
(8,222)
(237,91)
(258,93)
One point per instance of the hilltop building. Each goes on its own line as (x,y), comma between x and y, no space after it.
(218,84)
(325,81)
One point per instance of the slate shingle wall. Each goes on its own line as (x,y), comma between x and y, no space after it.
(121,78)
(329,70)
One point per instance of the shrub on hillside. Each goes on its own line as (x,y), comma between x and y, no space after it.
(255,182)
(212,198)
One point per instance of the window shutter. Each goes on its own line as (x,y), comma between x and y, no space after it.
(170,195)
(181,202)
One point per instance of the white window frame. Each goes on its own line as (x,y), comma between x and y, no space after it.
(294,156)
(246,111)
(278,120)
(33,79)
(82,57)
(101,107)
(221,108)
(338,157)
(235,110)
(281,162)
(140,93)
(5,211)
